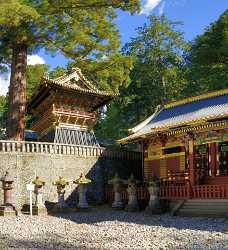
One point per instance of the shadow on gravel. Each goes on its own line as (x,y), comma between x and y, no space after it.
(47,241)
(140,218)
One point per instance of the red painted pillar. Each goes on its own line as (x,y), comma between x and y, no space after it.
(191,162)
(213,159)
(217,163)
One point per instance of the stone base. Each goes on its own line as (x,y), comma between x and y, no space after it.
(7,211)
(39,210)
(81,209)
(118,205)
(130,208)
(35,210)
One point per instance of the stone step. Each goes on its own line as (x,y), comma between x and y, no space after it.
(207,200)
(206,205)
(204,209)
(201,213)
(208,208)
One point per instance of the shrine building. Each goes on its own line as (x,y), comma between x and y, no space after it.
(185,144)
(66,109)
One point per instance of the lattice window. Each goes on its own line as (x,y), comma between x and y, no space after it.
(74,136)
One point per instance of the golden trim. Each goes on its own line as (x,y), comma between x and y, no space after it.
(196,98)
(163,168)
(214,125)
(182,163)
(191,147)
(179,131)
(164,156)
(172,145)
(199,122)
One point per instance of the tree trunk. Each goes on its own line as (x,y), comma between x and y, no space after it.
(17,93)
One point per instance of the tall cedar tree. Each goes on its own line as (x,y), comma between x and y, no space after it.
(81,30)
(207,61)
(156,77)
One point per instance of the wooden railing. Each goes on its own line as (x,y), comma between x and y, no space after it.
(175,192)
(75,112)
(178,192)
(65,149)
(210,191)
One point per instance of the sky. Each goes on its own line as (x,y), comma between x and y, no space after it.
(195,15)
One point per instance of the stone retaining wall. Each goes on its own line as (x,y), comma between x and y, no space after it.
(25,166)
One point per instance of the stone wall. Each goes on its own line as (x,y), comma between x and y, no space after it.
(25,166)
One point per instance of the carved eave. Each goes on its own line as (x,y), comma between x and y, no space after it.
(218,125)
(73,84)
(80,119)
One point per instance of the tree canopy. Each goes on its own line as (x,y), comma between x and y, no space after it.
(166,68)
(82,30)
(207,60)
(156,77)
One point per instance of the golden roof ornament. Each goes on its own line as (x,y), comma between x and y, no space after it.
(115,180)
(60,182)
(38,181)
(82,180)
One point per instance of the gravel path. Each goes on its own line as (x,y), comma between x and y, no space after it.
(112,230)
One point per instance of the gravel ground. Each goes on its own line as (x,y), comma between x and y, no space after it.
(112,230)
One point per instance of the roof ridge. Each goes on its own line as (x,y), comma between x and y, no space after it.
(142,124)
(196,98)
(76,72)
(86,81)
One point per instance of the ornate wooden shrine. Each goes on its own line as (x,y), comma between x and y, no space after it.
(66,109)
(185,144)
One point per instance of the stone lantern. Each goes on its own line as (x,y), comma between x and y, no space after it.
(132,195)
(82,182)
(7,185)
(154,202)
(39,207)
(60,184)
(117,187)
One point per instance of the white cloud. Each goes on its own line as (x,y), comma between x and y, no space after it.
(149,5)
(161,8)
(4,83)
(5,78)
(35,59)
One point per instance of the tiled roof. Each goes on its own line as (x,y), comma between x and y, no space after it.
(183,113)
(75,80)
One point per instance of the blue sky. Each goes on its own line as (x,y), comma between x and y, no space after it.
(196,15)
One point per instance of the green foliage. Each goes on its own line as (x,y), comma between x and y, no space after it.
(166,69)
(3,111)
(207,65)
(156,77)
(58,71)
(34,74)
(83,31)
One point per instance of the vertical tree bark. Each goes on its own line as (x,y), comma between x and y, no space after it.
(17,93)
